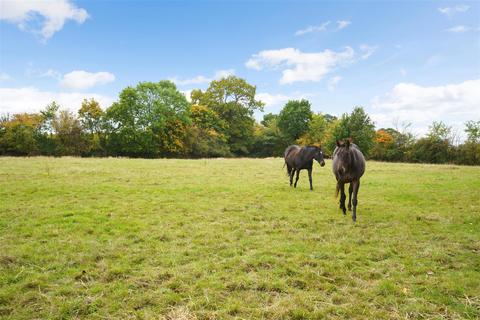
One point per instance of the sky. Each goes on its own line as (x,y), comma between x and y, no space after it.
(403,61)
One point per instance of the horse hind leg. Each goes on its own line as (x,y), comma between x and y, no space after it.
(310,178)
(343,197)
(350,190)
(356,187)
(296,179)
(291,172)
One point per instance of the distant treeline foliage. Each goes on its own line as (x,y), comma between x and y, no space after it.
(156,120)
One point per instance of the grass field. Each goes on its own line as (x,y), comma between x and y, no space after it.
(228,238)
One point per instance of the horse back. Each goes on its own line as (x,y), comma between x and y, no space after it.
(291,150)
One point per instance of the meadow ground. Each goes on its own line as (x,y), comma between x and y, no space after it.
(228,238)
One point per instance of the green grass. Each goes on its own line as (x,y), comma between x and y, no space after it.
(228,238)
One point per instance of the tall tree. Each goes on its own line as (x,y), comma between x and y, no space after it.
(356,125)
(294,119)
(91,117)
(46,139)
(472,128)
(268,139)
(69,135)
(206,136)
(440,131)
(233,99)
(148,120)
(316,132)
(18,134)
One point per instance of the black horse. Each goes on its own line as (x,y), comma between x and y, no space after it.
(298,158)
(348,167)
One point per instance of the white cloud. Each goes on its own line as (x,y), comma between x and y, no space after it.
(458,29)
(298,66)
(301,66)
(30,99)
(272,99)
(449,11)
(194,80)
(273,102)
(343,24)
(332,83)
(224,73)
(49,15)
(4,76)
(310,29)
(80,79)
(408,102)
(51,73)
(202,79)
(367,50)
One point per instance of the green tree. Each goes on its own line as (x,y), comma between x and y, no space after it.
(268,119)
(436,147)
(233,99)
(69,136)
(149,120)
(469,151)
(294,118)
(472,128)
(46,141)
(329,118)
(18,135)
(316,133)
(91,117)
(268,140)
(206,136)
(392,145)
(356,125)
(440,131)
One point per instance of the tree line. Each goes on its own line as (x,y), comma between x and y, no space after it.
(154,120)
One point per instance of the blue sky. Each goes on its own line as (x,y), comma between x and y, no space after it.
(403,61)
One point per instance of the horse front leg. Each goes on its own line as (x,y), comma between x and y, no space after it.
(310,178)
(356,187)
(343,197)
(296,179)
(350,189)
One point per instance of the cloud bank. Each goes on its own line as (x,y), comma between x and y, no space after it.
(200,79)
(80,79)
(420,105)
(30,99)
(42,18)
(298,66)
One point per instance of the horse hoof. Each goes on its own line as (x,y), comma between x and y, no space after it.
(344,211)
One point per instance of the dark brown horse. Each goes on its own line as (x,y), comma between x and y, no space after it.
(348,167)
(298,158)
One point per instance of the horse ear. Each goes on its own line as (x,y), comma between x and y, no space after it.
(347,143)
(338,143)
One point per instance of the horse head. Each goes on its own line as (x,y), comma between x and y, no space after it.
(318,155)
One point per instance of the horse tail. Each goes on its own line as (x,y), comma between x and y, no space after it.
(288,172)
